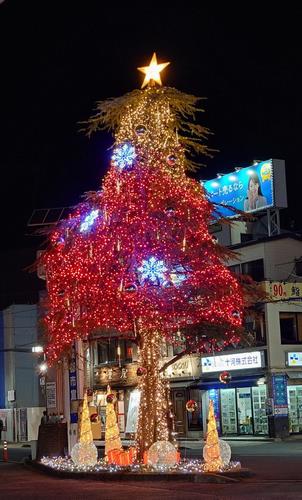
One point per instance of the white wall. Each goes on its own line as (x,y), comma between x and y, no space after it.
(277,351)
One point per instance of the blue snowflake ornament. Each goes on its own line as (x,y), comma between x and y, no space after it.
(89,221)
(124,156)
(153,270)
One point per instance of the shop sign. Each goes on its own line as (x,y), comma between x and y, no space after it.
(294,358)
(281,290)
(51,395)
(116,375)
(73,390)
(281,410)
(188,366)
(279,382)
(240,361)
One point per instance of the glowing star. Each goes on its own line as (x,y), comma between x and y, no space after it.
(123,156)
(153,270)
(152,71)
(89,220)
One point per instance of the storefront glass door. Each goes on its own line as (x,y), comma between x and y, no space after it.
(244,409)
(228,411)
(295,408)
(259,410)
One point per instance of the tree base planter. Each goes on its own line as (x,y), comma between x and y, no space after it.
(186,471)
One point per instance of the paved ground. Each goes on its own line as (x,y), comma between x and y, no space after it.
(277,467)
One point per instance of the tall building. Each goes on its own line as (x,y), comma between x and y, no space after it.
(19,381)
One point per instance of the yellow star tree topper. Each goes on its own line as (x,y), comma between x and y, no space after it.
(153,71)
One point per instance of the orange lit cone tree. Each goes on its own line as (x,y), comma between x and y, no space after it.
(212,455)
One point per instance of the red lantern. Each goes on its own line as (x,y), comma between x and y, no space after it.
(141,371)
(225,377)
(110,398)
(191,406)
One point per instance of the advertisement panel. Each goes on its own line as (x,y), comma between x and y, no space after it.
(240,361)
(249,189)
(283,290)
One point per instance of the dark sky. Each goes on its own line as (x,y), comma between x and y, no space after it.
(58,58)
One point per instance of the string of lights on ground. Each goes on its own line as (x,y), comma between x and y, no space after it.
(184,466)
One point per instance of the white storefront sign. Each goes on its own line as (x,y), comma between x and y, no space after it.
(294,358)
(240,361)
(188,366)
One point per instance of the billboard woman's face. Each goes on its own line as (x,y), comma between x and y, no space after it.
(253,187)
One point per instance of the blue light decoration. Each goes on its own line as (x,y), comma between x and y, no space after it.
(89,221)
(153,270)
(124,156)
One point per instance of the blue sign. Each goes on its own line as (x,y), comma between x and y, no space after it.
(249,189)
(73,390)
(280,390)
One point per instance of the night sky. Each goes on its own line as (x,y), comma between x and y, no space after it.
(59,58)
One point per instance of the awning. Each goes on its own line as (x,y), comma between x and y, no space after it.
(245,381)
(181,384)
(294,374)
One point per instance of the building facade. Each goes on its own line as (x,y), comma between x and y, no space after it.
(20,402)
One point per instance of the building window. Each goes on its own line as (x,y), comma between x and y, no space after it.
(254,268)
(235,269)
(291,328)
(256,327)
(298,267)
(108,351)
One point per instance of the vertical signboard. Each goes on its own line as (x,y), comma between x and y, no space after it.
(51,395)
(73,387)
(279,382)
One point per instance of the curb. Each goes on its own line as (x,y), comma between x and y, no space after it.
(205,477)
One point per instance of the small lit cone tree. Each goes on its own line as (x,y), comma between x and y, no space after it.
(213,456)
(85,432)
(112,433)
(137,257)
(84,452)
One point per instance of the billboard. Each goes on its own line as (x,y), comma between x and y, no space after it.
(249,189)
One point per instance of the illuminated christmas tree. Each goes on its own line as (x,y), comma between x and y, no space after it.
(212,449)
(112,433)
(137,257)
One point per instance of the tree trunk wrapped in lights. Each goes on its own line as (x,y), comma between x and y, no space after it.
(153,410)
(137,257)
